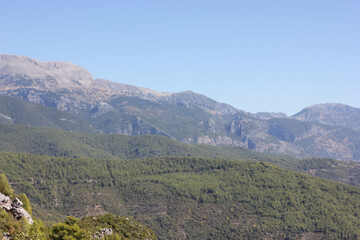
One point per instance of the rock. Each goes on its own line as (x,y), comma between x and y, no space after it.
(103,232)
(4,199)
(17,203)
(15,207)
(20,213)
(6,236)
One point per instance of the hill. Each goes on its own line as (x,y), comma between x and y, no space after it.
(16,222)
(331,113)
(192,198)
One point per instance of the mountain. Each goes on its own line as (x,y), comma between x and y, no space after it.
(189,198)
(15,111)
(115,108)
(331,113)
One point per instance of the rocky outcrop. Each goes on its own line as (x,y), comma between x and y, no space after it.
(103,233)
(15,207)
(6,236)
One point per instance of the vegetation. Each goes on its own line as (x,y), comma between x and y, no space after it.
(193,198)
(71,228)
(15,111)
(287,129)
(47,141)
(340,171)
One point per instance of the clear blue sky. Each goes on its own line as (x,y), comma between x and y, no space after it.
(279,55)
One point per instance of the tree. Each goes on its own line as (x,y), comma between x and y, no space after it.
(5,187)
(37,230)
(68,230)
(26,203)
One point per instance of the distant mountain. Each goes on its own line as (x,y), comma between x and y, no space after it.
(331,113)
(116,108)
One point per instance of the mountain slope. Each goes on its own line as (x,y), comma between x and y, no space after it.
(313,139)
(190,198)
(14,111)
(331,113)
(47,141)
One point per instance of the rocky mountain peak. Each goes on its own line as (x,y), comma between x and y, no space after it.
(127,89)
(19,71)
(331,113)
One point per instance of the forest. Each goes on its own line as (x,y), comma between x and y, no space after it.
(186,196)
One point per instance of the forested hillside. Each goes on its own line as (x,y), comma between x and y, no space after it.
(16,222)
(52,142)
(194,198)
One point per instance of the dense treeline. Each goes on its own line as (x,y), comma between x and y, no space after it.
(194,198)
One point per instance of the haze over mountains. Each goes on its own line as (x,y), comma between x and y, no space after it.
(326,130)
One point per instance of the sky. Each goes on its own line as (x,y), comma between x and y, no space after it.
(258,55)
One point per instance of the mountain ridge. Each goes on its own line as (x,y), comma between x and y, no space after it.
(116,108)
(331,113)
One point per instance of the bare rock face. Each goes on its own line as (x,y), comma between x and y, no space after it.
(18,71)
(15,207)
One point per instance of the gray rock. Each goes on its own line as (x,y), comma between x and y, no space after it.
(17,203)
(4,199)
(15,207)
(6,236)
(20,213)
(103,232)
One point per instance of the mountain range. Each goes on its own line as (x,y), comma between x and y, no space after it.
(101,106)
(87,147)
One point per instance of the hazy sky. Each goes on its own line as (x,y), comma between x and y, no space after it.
(265,55)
